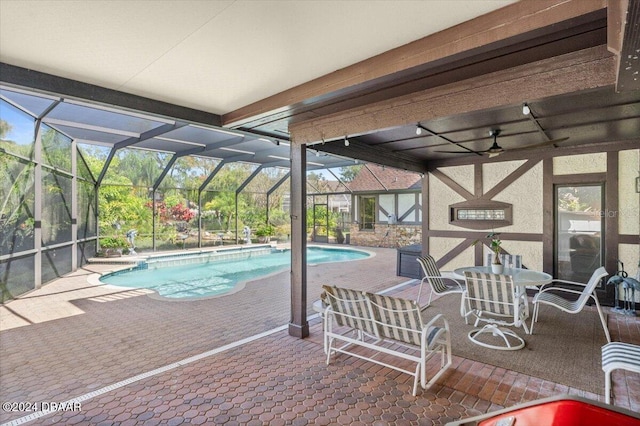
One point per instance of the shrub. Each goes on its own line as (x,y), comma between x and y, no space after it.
(113,243)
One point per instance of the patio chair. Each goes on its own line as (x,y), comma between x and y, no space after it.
(510,260)
(440,284)
(507,260)
(491,298)
(552,296)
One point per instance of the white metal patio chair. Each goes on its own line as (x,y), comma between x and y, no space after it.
(508,260)
(440,284)
(552,296)
(491,298)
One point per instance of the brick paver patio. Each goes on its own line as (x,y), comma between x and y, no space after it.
(72,339)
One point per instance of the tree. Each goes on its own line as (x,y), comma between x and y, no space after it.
(120,205)
(224,203)
(5,128)
(348,173)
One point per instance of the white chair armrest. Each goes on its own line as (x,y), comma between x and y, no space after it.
(551,284)
(435,319)
(567,282)
(564,290)
(451,275)
(446,278)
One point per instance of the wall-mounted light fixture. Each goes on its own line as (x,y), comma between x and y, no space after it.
(346,141)
(525,109)
(418,130)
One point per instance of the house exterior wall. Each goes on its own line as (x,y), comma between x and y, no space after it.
(529,185)
(398,220)
(389,236)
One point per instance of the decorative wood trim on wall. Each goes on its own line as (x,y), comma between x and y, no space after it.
(609,180)
(611,223)
(476,235)
(512,177)
(581,178)
(412,209)
(478,180)
(628,239)
(478,255)
(548,220)
(452,184)
(454,252)
(425,214)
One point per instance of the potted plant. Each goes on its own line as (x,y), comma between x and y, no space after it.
(113,246)
(264,233)
(496,266)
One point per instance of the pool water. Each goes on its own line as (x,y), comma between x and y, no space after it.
(215,278)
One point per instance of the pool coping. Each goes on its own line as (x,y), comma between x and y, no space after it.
(94,279)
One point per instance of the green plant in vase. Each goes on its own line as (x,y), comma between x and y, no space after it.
(494,244)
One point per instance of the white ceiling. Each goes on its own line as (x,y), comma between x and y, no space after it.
(214,55)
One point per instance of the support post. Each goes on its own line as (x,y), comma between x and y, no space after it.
(298,326)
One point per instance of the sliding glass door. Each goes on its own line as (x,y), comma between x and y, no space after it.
(579,231)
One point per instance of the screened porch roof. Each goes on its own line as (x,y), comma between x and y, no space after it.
(120,128)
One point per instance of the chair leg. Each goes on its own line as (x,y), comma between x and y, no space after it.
(467,309)
(534,317)
(607,387)
(604,323)
(420,293)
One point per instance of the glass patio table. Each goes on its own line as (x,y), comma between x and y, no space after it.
(521,277)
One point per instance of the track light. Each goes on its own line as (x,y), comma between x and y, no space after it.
(418,130)
(525,109)
(346,141)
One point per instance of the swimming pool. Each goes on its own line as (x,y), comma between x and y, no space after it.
(217,275)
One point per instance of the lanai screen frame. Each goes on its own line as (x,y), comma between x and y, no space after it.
(91,122)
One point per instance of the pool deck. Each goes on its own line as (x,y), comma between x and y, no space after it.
(128,359)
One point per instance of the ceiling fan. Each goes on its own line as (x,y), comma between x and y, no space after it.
(496,149)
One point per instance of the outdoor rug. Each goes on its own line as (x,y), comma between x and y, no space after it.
(564,348)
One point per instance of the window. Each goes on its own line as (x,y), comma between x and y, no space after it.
(367,213)
(481,214)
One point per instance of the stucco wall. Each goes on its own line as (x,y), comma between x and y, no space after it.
(629,199)
(628,254)
(493,173)
(440,197)
(526,194)
(463,175)
(585,163)
(438,247)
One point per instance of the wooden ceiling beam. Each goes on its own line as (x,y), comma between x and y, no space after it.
(372,154)
(586,69)
(623,39)
(514,22)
